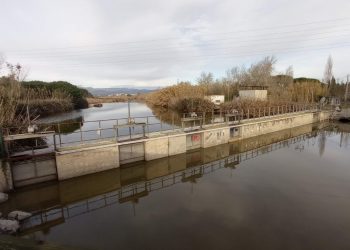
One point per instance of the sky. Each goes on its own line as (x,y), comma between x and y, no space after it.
(111,43)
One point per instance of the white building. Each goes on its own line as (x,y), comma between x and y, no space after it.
(216,99)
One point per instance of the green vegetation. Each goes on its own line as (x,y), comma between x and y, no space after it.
(78,95)
(39,98)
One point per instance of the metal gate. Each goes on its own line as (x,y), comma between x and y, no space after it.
(33,170)
(131,152)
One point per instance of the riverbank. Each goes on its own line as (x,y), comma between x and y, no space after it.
(120,98)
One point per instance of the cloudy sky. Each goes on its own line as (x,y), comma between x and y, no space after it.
(105,43)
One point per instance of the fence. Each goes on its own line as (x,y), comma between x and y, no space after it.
(83,132)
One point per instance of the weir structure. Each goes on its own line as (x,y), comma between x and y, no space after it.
(59,202)
(115,142)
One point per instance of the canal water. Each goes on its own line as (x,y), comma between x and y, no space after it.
(286,190)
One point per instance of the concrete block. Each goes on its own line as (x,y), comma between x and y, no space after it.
(156,148)
(215,137)
(193,141)
(18,215)
(87,161)
(177,145)
(9,226)
(3,197)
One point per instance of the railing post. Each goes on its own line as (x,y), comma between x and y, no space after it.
(248,114)
(147,123)
(173,120)
(161,123)
(81,133)
(203,122)
(212,116)
(54,142)
(59,134)
(99,127)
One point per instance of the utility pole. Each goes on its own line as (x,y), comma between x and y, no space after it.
(346,89)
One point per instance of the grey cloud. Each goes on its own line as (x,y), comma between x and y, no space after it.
(107,42)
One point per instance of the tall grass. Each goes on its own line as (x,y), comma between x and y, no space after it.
(14,100)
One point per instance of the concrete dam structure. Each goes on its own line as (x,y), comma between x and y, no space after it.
(87,158)
(59,202)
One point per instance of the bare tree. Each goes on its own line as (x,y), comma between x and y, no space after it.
(328,72)
(261,73)
(206,79)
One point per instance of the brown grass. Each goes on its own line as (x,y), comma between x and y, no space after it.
(14,100)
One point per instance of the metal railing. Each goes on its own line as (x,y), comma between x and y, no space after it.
(98,131)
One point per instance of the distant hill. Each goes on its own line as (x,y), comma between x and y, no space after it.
(118,90)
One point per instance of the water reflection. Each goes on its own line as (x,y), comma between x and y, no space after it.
(268,192)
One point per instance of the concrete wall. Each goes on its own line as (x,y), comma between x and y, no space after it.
(82,161)
(6,183)
(215,137)
(216,99)
(253,94)
(193,141)
(274,125)
(156,148)
(324,115)
(132,152)
(86,161)
(177,145)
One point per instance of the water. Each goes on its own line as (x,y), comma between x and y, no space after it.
(286,190)
(97,123)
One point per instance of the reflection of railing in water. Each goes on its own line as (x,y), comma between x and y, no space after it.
(133,192)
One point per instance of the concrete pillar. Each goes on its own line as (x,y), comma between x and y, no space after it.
(84,161)
(156,148)
(177,145)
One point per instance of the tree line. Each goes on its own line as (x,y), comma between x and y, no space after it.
(282,87)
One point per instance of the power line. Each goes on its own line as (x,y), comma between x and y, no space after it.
(171,38)
(214,56)
(145,51)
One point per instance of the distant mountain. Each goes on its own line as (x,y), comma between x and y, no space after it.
(119,90)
